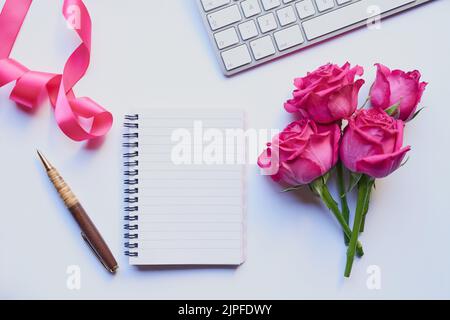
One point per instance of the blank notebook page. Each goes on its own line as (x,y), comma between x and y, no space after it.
(189,198)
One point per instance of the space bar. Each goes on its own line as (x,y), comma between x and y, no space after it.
(347,16)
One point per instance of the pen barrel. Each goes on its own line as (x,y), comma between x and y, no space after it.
(89,232)
(93,237)
(63,189)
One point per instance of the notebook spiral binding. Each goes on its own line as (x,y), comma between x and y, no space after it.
(131,182)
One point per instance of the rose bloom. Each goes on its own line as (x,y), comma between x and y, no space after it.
(328,94)
(392,87)
(302,152)
(372,143)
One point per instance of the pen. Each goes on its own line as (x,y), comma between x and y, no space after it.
(89,232)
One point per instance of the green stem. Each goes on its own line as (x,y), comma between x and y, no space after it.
(343,196)
(366,205)
(363,189)
(324,193)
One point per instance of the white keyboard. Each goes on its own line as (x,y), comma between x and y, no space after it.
(247,33)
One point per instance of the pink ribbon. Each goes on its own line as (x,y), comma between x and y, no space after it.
(70,111)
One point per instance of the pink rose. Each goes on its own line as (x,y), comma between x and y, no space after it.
(328,94)
(392,87)
(372,143)
(303,152)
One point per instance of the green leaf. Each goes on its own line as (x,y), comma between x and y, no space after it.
(404,162)
(417,113)
(392,110)
(354,180)
(325,177)
(292,188)
(317,185)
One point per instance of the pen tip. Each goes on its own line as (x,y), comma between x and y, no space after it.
(45,162)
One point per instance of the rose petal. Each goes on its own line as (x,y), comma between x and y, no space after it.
(380,166)
(380,92)
(342,104)
(305,170)
(404,90)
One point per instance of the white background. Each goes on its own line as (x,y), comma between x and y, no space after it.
(149,54)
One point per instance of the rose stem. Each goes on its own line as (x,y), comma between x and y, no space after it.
(326,197)
(366,205)
(363,187)
(343,196)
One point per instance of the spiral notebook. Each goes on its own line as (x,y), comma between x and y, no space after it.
(184,194)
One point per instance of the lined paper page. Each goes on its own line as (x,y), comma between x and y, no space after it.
(189,212)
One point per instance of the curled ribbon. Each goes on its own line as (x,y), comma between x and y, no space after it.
(69,110)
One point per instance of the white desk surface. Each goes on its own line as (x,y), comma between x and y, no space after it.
(150,55)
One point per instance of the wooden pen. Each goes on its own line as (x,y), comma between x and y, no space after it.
(89,232)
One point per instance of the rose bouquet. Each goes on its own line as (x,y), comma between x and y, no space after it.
(331,133)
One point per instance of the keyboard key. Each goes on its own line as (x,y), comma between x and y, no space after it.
(262,47)
(251,8)
(286,16)
(248,30)
(343,1)
(267,23)
(270,4)
(224,17)
(305,9)
(288,1)
(236,57)
(324,5)
(209,5)
(289,37)
(347,16)
(226,38)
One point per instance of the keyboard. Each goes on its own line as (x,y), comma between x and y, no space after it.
(247,33)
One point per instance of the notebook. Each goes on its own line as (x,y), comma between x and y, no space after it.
(184,187)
